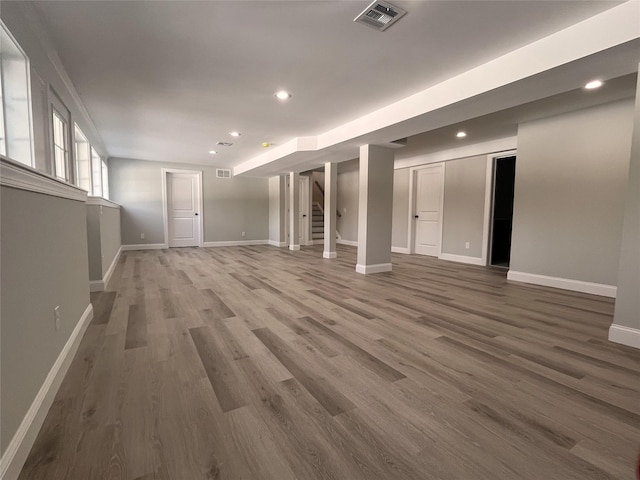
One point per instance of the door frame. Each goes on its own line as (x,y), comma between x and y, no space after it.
(305,209)
(165,199)
(489,193)
(413,191)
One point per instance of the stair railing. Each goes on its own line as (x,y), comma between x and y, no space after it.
(319,187)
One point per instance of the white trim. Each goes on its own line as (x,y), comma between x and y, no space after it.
(624,335)
(294,247)
(100,285)
(235,243)
(342,241)
(144,246)
(102,202)
(16,453)
(412,205)
(277,244)
(329,255)
(450,257)
(165,213)
(488,197)
(404,250)
(563,283)
(23,177)
(377,268)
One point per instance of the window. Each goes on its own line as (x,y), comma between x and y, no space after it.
(96,174)
(60,146)
(105,180)
(15,102)
(83,160)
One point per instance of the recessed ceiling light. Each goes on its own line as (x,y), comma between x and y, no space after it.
(234,134)
(593,84)
(461,134)
(212,152)
(282,95)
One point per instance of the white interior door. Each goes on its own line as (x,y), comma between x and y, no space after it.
(183,203)
(303,217)
(428,210)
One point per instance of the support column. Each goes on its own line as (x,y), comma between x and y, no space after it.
(375,209)
(294,211)
(626,320)
(277,211)
(330,209)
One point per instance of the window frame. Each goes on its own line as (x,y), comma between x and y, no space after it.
(95,157)
(55,115)
(29,109)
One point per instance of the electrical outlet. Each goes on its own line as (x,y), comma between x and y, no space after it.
(466,245)
(243,234)
(142,236)
(56,316)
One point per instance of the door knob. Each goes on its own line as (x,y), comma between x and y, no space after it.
(304,214)
(415,216)
(196,213)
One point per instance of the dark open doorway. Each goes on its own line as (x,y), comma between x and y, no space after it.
(502,216)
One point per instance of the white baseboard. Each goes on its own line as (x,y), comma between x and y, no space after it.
(404,250)
(563,283)
(273,243)
(16,453)
(235,243)
(144,246)
(329,254)
(377,268)
(624,335)
(461,259)
(100,285)
(294,247)
(342,241)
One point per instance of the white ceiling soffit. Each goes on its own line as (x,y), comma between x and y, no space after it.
(380,15)
(606,45)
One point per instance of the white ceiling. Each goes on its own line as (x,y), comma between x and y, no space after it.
(166,80)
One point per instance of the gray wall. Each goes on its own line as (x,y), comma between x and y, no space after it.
(571,176)
(110,239)
(627,311)
(277,214)
(231,206)
(463,213)
(348,187)
(400,222)
(94,242)
(103,236)
(44,264)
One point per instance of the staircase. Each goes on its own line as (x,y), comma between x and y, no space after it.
(317,222)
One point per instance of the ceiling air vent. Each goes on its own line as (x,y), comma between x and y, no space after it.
(224,144)
(380,15)
(223,173)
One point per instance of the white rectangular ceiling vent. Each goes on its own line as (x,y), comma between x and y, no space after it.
(380,15)
(223,173)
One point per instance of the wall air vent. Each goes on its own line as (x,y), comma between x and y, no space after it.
(380,15)
(223,173)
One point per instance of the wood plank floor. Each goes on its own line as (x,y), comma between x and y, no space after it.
(260,363)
